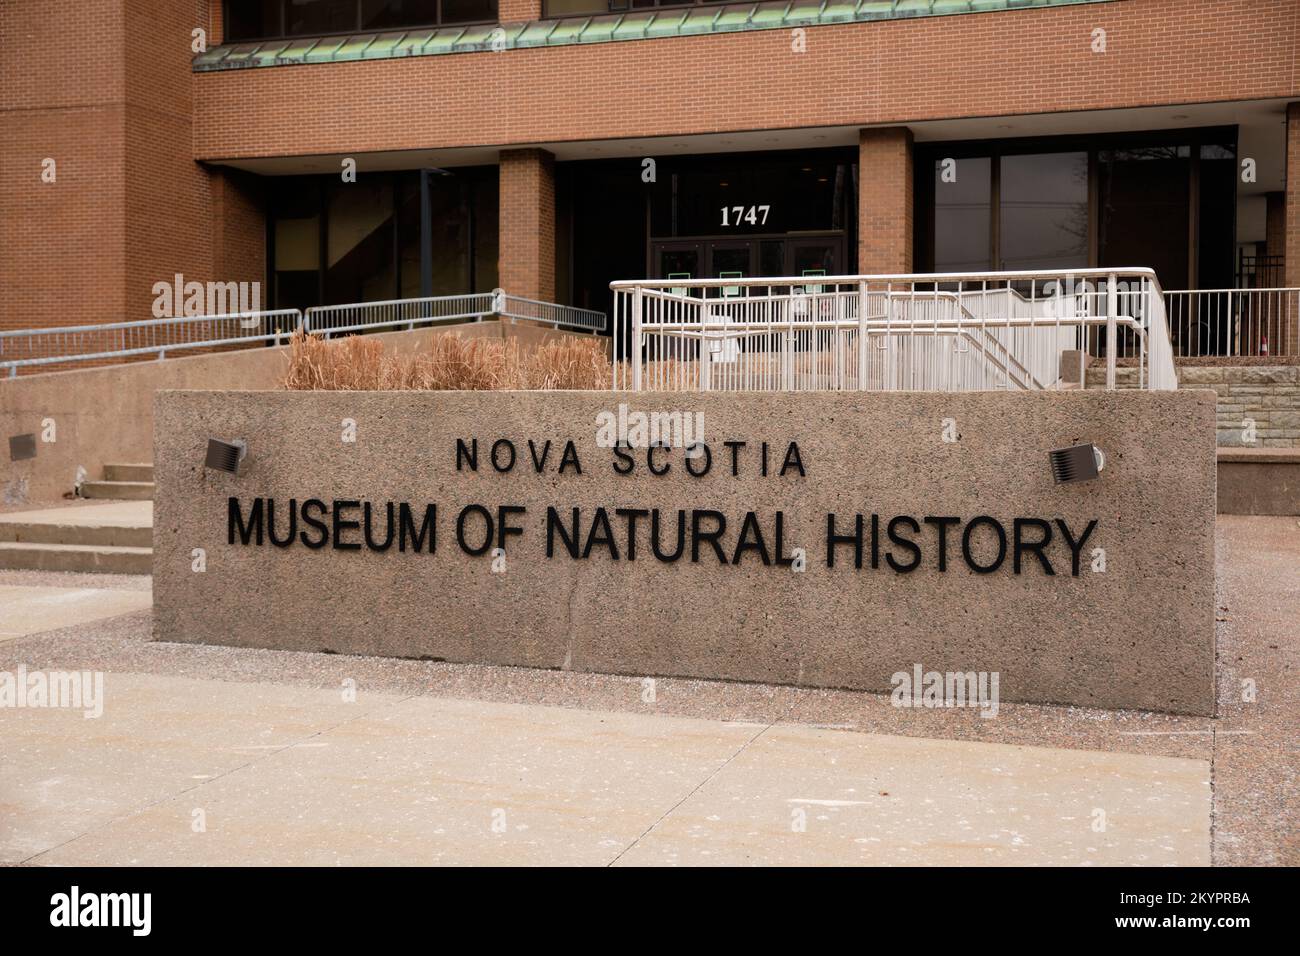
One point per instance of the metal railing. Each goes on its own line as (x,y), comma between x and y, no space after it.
(558,316)
(158,337)
(1234,323)
(941,332)
(396,314)
(116,340)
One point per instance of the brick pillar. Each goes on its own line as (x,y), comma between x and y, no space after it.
(527,229)
(216,22)
(515,11)
(885,200)
(1275,224)
(239,236)
(1292,239)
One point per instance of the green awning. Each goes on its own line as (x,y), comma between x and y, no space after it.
(636,25)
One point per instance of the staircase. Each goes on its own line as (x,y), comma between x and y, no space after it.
(113,537)
(131,482)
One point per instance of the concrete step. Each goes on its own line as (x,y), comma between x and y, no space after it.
(120,490)
(130,471)
(49,532)
(24,556)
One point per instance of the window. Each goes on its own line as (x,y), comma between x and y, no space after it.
(962,219)
(570,8)
(1044,209)
(1159,199)
(334,242)
(269,19)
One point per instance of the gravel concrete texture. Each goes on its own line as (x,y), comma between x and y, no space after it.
(1139,635)
(31,610)
(287,776)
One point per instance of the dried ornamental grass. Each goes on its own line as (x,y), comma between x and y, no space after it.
(449,361)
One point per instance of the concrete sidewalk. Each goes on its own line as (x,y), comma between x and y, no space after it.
(180,771)
(276,763)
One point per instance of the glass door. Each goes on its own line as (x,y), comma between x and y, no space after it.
(677,260)
(731,259)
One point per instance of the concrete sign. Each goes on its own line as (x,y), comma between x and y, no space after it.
(822,539)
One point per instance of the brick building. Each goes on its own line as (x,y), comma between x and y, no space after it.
(552,146)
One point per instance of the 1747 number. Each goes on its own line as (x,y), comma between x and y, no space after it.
(736,215)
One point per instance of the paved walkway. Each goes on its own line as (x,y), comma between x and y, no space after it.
(181,771)
(279,763)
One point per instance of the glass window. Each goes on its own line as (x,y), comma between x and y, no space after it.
(1217,221)
(1143,199)
(1043,205)
(725,196)
(251,19)
(296,234)
(258,20)
(408,235)
(487,193)
(469,11)
(389,14)
(359,260)
(566,8)
(962,196)
(310,17)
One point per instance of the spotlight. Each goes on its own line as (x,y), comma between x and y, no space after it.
(22,447)
(1077,463)
(225,455)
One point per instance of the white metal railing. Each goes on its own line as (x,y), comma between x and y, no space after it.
(395,314)
(116,340)
(941,332)
(560,316)
(1234,323)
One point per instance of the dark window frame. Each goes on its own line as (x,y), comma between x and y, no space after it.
(926,154)
(626,6)
(360,30)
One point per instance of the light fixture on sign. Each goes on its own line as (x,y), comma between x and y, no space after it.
(1077,463)
(225,455)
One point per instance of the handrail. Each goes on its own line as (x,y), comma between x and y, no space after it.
(937,330)
(116,340)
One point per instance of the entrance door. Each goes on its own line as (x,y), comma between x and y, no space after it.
(802,257)
(678,260)
(731,259)
(814,257)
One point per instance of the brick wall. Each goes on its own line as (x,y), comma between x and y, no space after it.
(62,98)
(515,11)
(238,228)
(104,88)
(885,200)
(527,243)
(1036,60)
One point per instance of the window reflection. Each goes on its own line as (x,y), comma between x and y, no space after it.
(962,197)
(1044,210)
(257,20)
